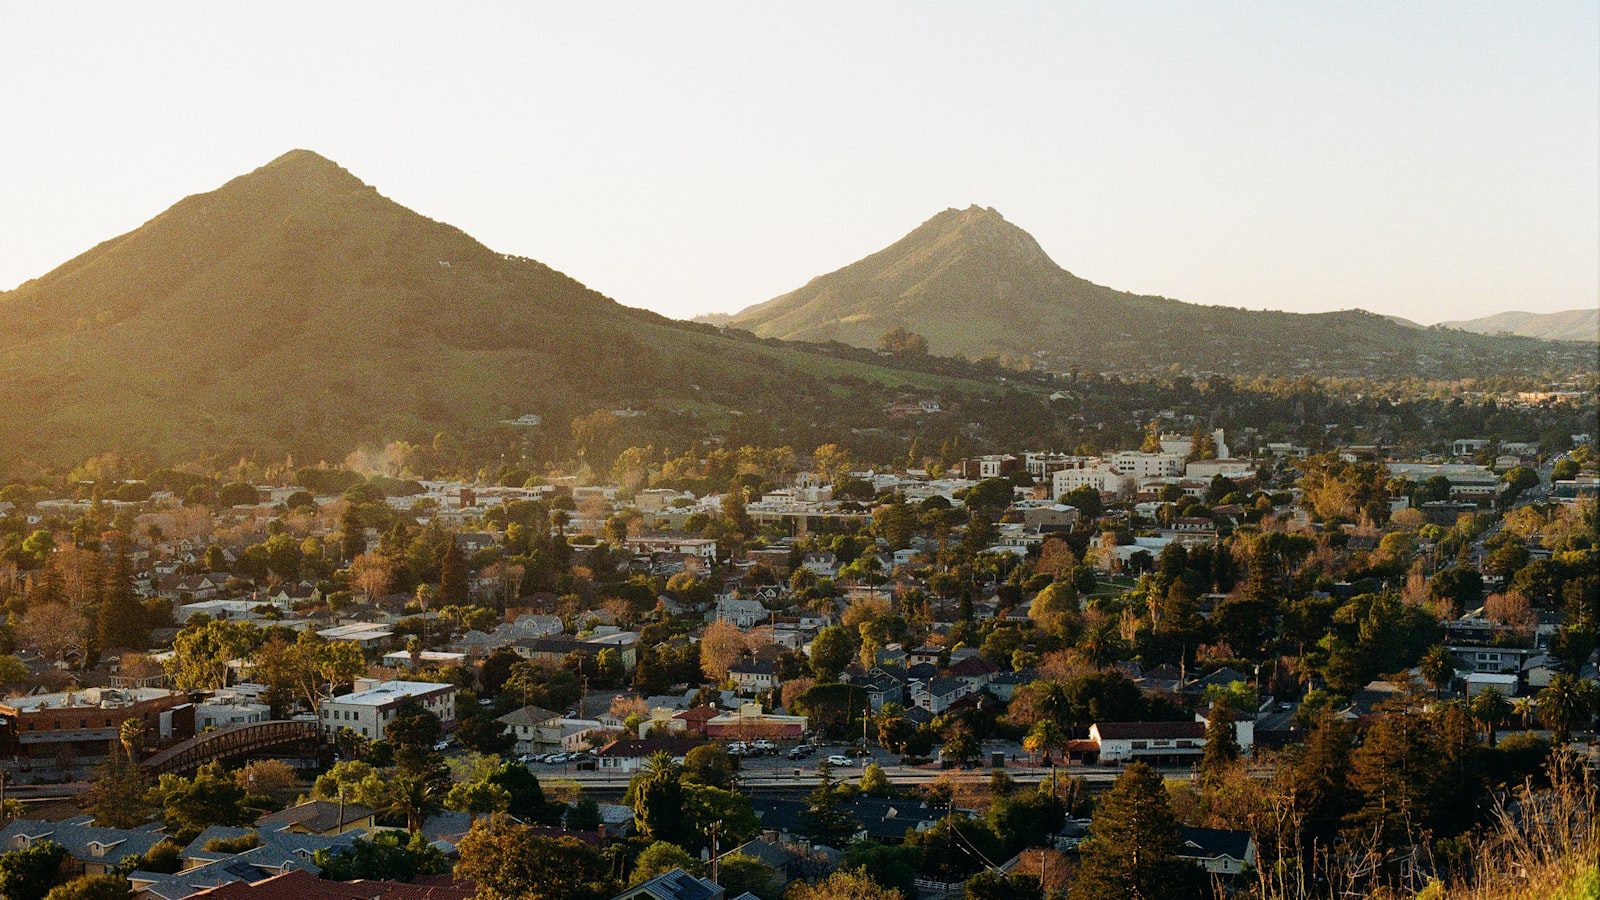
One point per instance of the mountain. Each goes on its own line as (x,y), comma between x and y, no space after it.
(1567,325)
(974,284)
(295,309)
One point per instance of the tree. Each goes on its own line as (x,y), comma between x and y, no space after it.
(93,887)
(508,860)
(987,885)
(1055,609)
(831,650)
(1438,668)
(452,574)
(740,874)
(120,622)
(711,764)
(1132,849)
(1565,704)
(898,341)
(843,885)
(415,795)
(659,858)
(382,856)
(825,819)
(371,574)
(116,799)
(1222,742)
(656,795)
(1489,709)
(874,783)
(721,646)
(477,798)
(202,651)
(191,805)
(30,874)
(1393,772)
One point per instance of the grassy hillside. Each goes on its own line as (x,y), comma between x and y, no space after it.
(974,284)
(296,309)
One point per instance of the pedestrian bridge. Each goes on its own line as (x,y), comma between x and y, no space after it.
(230,742)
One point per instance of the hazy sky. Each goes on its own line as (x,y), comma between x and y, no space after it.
(1434,160)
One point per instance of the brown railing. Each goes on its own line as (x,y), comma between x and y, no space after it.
(231,741)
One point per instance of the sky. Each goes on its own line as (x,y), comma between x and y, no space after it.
(1435,160)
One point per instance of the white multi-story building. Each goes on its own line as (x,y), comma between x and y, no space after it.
(372,706)
(1102,478)
(1137,464)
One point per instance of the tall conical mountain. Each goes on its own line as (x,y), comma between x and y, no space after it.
(974,284)
(296,309)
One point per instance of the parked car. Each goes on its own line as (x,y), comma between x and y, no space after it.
(837,760)
(801,751)
(765,746)
(738,748)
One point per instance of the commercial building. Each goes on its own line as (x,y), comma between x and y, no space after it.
(372,706)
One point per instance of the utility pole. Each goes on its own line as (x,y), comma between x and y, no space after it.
(715,867)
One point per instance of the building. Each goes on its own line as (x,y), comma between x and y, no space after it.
(368,711)
(674,885)
(300,884)
(1139,465)
(993,465)
(323,817)
(1101,477)
(752,676)
(1159,742)
(1219,851)
(88,722)
(92,850)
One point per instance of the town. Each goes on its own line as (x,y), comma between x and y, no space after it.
(757,672)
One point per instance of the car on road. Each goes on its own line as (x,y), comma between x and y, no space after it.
(837,760)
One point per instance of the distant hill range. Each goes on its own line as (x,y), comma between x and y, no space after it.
(1567,325)
(295,309)
(974,284)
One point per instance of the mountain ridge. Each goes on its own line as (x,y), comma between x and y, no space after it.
(296,308)
(976,285)
(1564,325)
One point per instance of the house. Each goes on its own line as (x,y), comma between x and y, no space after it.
(939,694)
(368,710)
(92,849)
(629,754)
(923,655)
(1159,742)
(750,721)
(753,676)
(323,817)
(975,670)
(533,728)
(674,885)
(1219,851)
(742,612)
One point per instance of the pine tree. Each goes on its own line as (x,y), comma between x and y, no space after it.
(452,575)
(1222,742)
(1132,850)
(352,537)
(825,820)
(121,619)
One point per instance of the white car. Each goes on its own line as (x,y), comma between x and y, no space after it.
(837,760)
(764,745)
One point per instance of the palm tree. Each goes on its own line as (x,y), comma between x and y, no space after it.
(415,795)
(1489,709)
(1524,708)
(1044,736)
(131,735)
(1437,668)
(1565,704)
